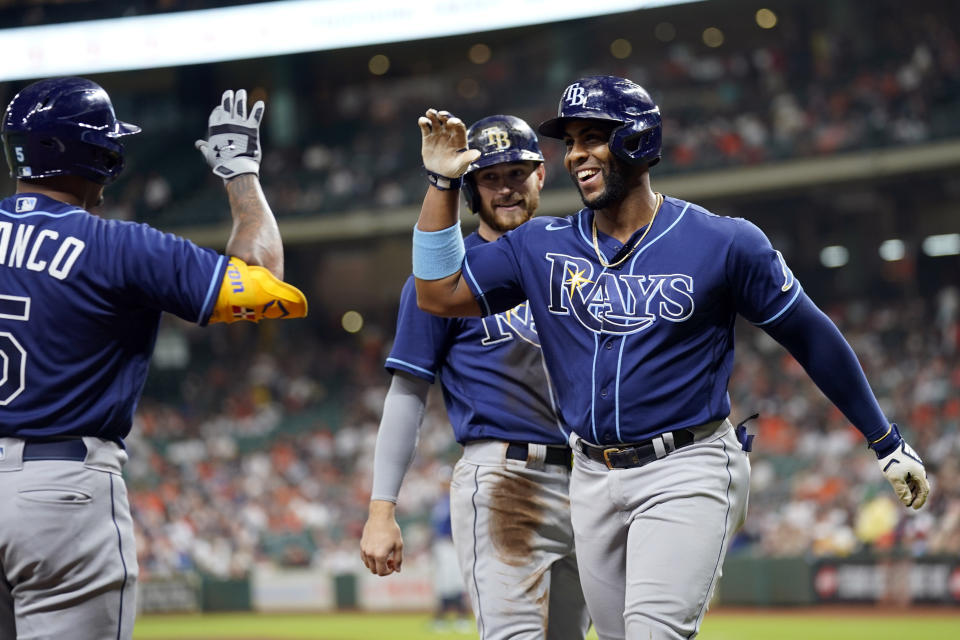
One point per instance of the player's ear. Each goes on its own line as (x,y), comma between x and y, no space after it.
(541,172)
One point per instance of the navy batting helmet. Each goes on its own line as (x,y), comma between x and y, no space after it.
(499,139)
(63,126)
(618,100)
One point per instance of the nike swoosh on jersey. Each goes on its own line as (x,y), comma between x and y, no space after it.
(550,227)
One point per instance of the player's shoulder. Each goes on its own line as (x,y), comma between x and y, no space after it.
(551,225)
(708,221)
(35,206)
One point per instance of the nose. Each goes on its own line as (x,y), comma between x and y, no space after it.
(575,153)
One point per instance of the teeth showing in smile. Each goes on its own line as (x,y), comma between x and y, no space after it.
(586,174)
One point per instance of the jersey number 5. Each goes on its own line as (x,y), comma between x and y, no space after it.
(13,357)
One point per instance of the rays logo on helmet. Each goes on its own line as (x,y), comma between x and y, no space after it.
(497,138)
(575,95)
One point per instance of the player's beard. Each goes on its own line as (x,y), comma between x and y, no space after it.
(614,186)
(502,224)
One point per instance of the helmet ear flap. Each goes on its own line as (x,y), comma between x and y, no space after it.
(470,193)
(635,143)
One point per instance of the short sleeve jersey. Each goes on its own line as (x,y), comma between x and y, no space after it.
(491,369)
(645,347)
(80,304)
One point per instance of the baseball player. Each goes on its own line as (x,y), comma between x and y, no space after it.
(80,304)
(509,497)
(634,298)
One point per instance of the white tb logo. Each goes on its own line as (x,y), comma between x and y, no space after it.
(576,95)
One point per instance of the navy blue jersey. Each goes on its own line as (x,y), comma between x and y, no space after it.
(80,304)
(647,347)
(491,369)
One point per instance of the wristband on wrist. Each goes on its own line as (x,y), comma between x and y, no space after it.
(443,183)
(437,254)
(887,443)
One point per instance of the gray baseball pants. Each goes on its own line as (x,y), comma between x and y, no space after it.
(651,539)
(68,563)
(514,541)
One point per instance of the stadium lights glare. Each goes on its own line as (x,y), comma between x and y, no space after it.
(269,29)
(834,256)
(947,244)
(892,250)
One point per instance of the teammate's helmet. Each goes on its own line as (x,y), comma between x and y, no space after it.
(612,99)
(499,139)
(63,126)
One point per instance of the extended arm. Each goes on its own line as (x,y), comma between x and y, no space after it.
(381,545)
(812,338)
(255,238)
(437,243)
(232,149)
(253,286)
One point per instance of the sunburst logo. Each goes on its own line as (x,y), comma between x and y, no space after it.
(576,279)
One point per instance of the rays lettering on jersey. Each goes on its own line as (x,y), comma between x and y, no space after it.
(517,322)
(617,303)
(19,249)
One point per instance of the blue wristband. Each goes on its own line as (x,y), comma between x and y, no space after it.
(437,254)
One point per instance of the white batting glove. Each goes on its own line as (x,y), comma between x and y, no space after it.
(444,145)
(904,469)
(232,146)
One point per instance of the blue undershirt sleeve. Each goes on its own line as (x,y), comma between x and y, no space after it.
(814,340)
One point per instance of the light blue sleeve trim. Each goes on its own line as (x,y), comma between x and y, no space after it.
(206,310)
(482,299)
(437,254)
(414,367)
(796,294)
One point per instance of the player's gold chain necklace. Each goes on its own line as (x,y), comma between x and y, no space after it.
(596,244)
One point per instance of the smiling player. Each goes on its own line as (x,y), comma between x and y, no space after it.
(510,508)
(635,298)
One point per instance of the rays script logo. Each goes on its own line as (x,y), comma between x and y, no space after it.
(617,303)
(517,322)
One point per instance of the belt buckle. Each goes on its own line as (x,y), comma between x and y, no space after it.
(606,456)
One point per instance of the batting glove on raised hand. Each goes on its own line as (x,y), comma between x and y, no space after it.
(444,145)
(232,146)
(903,468)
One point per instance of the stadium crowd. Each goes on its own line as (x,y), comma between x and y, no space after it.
(265,456)
(831,77)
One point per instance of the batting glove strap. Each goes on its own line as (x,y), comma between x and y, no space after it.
(887,443)
(904,469)
(443,183)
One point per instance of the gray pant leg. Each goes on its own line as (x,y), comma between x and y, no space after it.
(670,524)
(67,549)
(569,619)
(511,526)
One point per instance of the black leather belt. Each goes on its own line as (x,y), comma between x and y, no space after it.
(55,449)
(628,456)
(555,455)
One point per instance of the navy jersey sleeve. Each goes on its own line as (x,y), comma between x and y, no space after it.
(492,271)
(420,345)
(764,288)
(163,271)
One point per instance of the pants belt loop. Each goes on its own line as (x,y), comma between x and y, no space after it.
(536,456)
(668,442)
(659,446)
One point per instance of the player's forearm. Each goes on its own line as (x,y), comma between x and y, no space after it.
(255,238)
(442,290)
(440,209)
(397,438)
(812,338)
